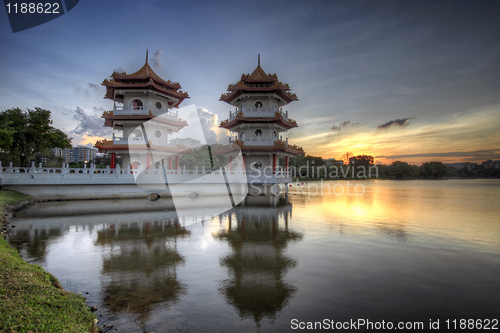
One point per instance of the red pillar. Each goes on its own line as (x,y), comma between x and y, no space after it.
(176,162)
(113,160)
(274,163)
(244,159)
(170,163)
(148,163)
(230,163)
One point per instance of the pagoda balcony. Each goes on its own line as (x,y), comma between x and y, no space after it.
(144,111)
(258,113)
(140,141)
(262,141)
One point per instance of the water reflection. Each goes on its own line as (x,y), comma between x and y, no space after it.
(136,260)
(141,269)
(32,242)
(258,263)
(414,250)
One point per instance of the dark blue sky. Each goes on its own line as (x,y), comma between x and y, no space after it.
(435,63)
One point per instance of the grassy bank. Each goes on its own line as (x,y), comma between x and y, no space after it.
(31,300)
(11,198)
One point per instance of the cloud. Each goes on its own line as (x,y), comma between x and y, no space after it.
(156,59)
(91,125)
(210,125)
(476,154)
(344,124)
(120,70)
(92,87)
(396,122)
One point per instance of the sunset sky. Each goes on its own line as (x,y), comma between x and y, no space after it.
(399,80)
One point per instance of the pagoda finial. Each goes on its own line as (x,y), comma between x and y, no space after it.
(147,65)
(259,61)
(146,55)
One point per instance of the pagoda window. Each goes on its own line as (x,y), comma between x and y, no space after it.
(136,104)
(258,165)
(275,135)
(158,105)
(242,135)
(259,104)
(157,165)
(158,133)
(242,106)
(258,132)
(135,165)
(135,134)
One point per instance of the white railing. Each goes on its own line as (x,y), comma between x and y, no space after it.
(29,175)
(258,113)
(262,141)
(259,141)
(144,110)
(133,140)
(129,111)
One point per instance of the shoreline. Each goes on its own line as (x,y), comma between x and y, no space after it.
(384,178)
(31,298)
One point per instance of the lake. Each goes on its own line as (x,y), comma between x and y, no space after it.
(410,253)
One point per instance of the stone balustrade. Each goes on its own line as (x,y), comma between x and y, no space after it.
(258,113)
(91,175)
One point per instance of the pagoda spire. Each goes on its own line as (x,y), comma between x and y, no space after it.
(147,65)
(258,63)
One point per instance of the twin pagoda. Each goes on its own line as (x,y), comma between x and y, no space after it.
(258,123)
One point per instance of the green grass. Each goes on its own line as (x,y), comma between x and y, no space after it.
(12,197)
(31,300)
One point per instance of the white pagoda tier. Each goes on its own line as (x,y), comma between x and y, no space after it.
(259,122)
(139,97)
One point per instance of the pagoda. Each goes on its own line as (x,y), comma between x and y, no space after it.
(259,122)
(138,98)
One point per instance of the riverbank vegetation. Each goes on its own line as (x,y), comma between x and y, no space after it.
(32,300)
(362,167)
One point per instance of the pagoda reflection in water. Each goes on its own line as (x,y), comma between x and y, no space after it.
(258,264)
(140,270)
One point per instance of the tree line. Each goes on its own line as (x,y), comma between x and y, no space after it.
(362,166)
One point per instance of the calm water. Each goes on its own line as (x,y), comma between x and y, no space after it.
(402,251)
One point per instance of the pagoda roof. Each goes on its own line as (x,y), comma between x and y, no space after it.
(278,119)
(144,78)
(259,82)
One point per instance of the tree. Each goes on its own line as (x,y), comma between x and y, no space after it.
(33,134)
(403,170)
(362,160)
(347,157)
(6,135)
(433,170)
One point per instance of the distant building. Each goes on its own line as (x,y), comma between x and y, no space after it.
(468,165)
(332,161)
(490,164)
(187,142)
(79,154)
(58,152)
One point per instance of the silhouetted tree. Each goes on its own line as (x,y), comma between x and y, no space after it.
(403,170)
(433,170)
